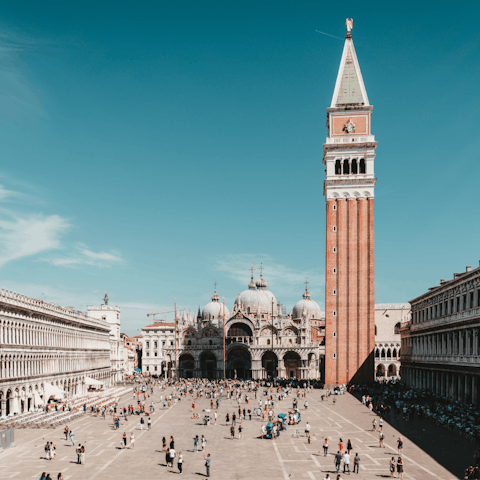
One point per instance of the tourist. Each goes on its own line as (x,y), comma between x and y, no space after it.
(204,443)
(326,477)
(232,432)
(400,445)
(149,423)
(172,442)
(72,438)
(346,462)
(180,463)
(325,447)
(263,430)
(356,464)
(340,446)
(215,417)
(195,443)
(338,461)
(349,446)
(171,454)
(132,441)
(380,424)
(142,422)
(167,456)
(400,468)
(392,467)
(66,432)
(208,463)
(374,423)
(307,429)
(78,451)
(43,476)
(60,476)
(382,437)
(82,455)
(240,431)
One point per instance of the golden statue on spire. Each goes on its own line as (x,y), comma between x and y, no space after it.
(349,24)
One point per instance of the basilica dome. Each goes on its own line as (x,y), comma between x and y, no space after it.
(214,310)
(312,308)
(258,299)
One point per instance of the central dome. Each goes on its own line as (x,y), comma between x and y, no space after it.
(257,299)
(215,310)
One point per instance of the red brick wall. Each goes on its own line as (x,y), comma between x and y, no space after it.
(355,285)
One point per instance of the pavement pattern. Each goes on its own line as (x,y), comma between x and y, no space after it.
(286,458)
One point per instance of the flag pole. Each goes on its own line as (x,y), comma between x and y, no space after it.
(224,338)
(175,338)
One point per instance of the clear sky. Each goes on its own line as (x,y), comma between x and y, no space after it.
(149,148)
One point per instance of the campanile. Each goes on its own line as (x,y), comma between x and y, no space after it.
(348,156)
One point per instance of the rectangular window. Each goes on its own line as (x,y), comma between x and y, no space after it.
(334,313)
(334,334)
(171,343)
(464,302)
(334,355)
(147,368)
(334,207)
(156,354)
(334,270)
(470,305)
(155,368)
(334,228)
(458,304)
(334,292)
(148,353)
(334,249)
(148,344)
(155,344)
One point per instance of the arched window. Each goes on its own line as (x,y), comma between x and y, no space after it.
(362,165)
(383,353)
(394,353)
(354,166)
(338,167)
(346,167)
(389,353)
(377,353)
(268,341)
(190,342)
(396,329)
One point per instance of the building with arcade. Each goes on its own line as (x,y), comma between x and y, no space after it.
(261,339)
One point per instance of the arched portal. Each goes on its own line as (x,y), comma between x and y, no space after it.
(186,365)
(270,364)
(208,364)
(239,363)
(392,370)
(380,370)
(292,363)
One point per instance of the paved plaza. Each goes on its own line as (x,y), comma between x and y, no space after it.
(287,457)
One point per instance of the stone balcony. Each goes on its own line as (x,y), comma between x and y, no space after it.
(447,319)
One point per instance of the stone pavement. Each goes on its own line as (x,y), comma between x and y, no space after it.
(286,458)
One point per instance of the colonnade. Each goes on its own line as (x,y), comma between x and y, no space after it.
(451,384)
(36,332)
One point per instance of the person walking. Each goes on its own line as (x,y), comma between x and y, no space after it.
(149,423)
(400,445)
(204,443)
(208,463)
(72,438)
(123,442)
(380,424)
(78,451)
(240,432)
(60,476)
(172,454)
(66,432)
(180,463)
(232,432)
(82,455)
(325,447)
(349,446)
(132,441)
(374,423)
(400,468)
(382,438)
(346,462)
(195,443)
(142,422)
(340,446)
(307,429)
(392,467)
(356,464)
(338,461)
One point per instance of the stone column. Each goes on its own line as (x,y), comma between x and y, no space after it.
(459,388)
(4,407)
(281,368)
(474,390)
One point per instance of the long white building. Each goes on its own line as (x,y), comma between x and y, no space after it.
(46,349)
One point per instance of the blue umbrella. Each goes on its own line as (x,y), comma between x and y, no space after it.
(138,369)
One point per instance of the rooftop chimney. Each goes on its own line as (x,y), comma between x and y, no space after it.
(456,275)
(469,269)
(442,281)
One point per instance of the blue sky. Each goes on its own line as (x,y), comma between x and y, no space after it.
(149,148)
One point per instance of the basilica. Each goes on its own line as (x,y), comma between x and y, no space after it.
(257,339)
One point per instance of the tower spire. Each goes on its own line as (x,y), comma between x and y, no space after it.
(349,87)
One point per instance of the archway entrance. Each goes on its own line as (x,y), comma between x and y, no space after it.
(270,364)
(186,365)
(239,363)
(208,365)
(380,370)
(292,362)
(392,370)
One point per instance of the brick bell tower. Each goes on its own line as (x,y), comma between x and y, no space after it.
(348,156)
